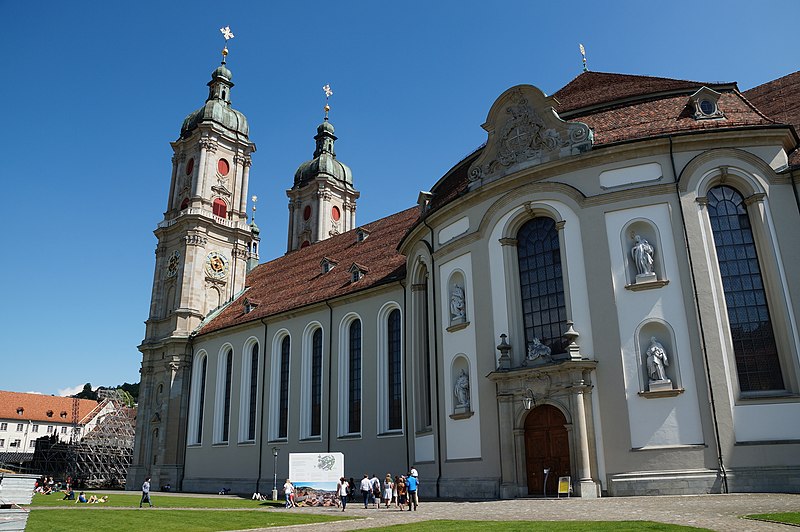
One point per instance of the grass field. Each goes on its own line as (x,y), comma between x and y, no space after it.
(789,518)
(539,526)
(131,500)
(100,520)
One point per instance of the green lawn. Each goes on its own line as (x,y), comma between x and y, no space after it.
(130,500)
(538,526)
(789,518)
(100,520)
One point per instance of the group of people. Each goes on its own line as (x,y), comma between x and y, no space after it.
(397,491)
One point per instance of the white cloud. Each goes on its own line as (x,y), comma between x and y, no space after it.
(37,393)
(64,392)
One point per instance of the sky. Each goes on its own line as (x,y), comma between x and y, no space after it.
(95,91)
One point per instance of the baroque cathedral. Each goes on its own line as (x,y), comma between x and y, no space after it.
(602,291)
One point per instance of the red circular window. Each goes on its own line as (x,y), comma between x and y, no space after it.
(335,214)
(307,212)
(305,244)
(190,167)
(223,167)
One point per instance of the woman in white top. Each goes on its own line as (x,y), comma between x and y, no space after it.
(342,490)
(388,488)
(288,490)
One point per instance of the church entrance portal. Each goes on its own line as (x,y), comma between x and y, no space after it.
(546,446)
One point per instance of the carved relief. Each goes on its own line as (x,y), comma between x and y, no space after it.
(208,144)
(524,130)
(196,240)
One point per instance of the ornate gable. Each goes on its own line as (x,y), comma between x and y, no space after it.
(524,130)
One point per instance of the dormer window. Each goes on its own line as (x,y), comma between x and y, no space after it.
(361,234)
(705,104)
(20,411)
(327,264)
(63,414)
(249,305)
(424,201)
(49,413)
(357,272)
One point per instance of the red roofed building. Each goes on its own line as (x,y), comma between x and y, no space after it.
(603,291)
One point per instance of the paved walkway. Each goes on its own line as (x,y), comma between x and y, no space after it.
(715,512)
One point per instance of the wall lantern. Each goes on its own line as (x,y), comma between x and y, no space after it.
(528,400)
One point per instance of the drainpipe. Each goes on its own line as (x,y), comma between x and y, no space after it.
(720,462)
(330,371)
(261,417)
(794,189)
(435,358)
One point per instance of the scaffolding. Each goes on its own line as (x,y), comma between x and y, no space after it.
(100,459)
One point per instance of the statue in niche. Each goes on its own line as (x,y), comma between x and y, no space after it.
(536,350)
(657,360)
(457,304)
(461,390)
(642,254)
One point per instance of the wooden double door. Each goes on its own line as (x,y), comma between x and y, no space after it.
(546,447)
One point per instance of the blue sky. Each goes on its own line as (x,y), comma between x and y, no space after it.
(95,91)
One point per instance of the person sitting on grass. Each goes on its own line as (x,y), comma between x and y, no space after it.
(81,498)
(69,495)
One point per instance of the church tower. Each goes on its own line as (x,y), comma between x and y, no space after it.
(204,245)
(322,202)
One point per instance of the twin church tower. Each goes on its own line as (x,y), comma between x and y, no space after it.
(205,249)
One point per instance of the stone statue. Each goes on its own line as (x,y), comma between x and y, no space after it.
(537,349)
(461,389)
(457,304)
(642,253)
(656,360)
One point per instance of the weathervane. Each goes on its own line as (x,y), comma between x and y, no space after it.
(254,199)
(328,94)
(583,54)
(228,34)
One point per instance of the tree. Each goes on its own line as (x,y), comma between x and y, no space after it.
(86,393)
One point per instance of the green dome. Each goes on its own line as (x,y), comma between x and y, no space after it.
(324,164)
(218,106)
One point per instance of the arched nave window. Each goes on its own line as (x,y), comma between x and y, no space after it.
(541,284)
(316,383)
(198,399)
(354,378)
(248,399)
(757,361)
(283,405)
(222,412)
(393,371)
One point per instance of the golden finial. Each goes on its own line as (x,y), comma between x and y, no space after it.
(254,199)
(228,34)
(328,94)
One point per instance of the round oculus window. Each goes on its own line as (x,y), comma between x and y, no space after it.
(707,107)
(335,213)
(307,212)
(223,167)
(190,167)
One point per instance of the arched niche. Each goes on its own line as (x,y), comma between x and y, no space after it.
(652,337)
(640,237)
(457,299)
(461,387)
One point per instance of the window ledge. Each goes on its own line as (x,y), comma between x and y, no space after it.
(768,397)
(278,440)
(662,393)
(350,436)
(247,443)
(424,432)
(636,287)
(220,444)
(391,433)
(311,439)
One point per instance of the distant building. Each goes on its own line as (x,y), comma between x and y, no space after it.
(605,290)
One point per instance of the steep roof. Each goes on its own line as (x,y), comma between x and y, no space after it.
(35,407)
(296,279)
(779,99)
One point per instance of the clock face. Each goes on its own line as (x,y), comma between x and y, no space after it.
(216,265)
(172,263)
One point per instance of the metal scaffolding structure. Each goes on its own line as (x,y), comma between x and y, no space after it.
(101,457)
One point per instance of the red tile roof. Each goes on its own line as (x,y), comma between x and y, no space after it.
(296,279)
(35,407)
(780,100)
(590,89)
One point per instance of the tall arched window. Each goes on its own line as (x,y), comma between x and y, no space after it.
(316,383)
(251,422)
(199,391)
(226,412)
(757,362)
(354,378)
(219,208)
(394,389)
(283,414)
(541,284)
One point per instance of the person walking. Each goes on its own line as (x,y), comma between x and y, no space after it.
(412,492)
(146,493)
(388,489)
(395,493)
(401,492)
(343,490)
(366,489)
(375,484)
(288,492)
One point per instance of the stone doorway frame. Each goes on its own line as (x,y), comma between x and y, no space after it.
(566,385)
